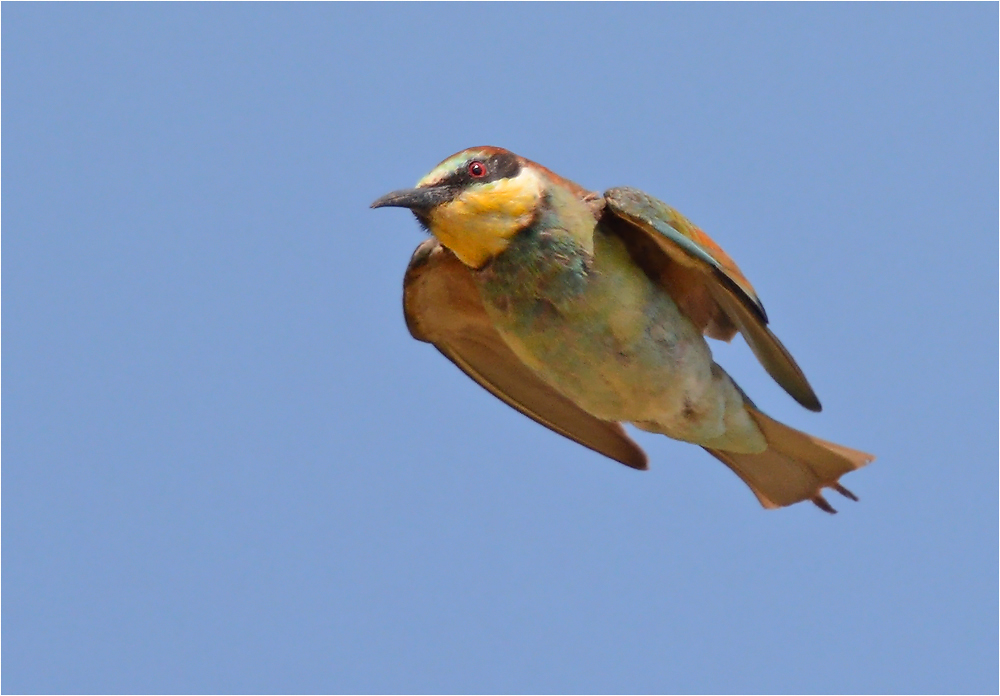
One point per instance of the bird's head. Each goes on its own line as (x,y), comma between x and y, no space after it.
(477,200)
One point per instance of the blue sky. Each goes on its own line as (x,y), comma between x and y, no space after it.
(227,466)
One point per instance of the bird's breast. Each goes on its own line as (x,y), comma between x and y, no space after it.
(594,326)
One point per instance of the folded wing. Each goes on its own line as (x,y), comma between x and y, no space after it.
(704,281)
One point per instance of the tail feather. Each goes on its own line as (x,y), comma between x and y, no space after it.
(794,467)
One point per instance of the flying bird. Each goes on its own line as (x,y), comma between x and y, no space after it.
(585,311)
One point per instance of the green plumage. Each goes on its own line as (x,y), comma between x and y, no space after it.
(584,312)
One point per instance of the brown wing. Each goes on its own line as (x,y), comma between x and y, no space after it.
(706,284)
(442,307)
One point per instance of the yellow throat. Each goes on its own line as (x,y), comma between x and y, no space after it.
(479,223)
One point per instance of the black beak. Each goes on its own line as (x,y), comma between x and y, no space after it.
(417,198)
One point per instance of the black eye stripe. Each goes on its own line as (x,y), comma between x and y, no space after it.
(503,165)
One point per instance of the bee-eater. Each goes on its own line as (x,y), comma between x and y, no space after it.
(585,311)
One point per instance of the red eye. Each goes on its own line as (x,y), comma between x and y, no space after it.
(477,170)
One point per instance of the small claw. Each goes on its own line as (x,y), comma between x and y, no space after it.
(844,492)
(821,503)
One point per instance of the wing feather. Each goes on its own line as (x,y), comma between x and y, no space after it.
(442,307)
(707,285)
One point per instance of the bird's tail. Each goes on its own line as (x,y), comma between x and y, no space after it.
(794,467)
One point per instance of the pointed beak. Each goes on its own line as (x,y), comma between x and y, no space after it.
(416,199)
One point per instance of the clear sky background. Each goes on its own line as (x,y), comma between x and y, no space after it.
(227,466)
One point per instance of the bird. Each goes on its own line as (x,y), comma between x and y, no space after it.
(586,311)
